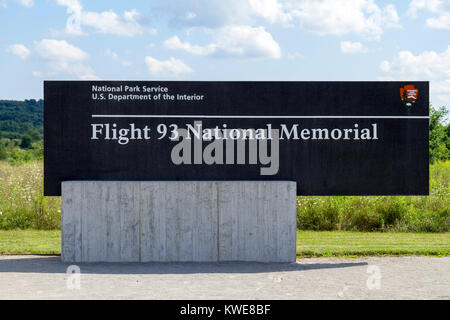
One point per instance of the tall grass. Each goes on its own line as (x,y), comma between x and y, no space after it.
(23,206)
(399,213)
(22,203)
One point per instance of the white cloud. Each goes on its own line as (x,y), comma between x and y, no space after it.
(64,57)
(245,42)
(129,24)
(440,8)
(205,13)
(110,23)
(18,50)
(324,17)
(441,22)
(175,43)
(26,3)
(416,6)
(427,66)
(171,67)
(73,6)
(340,17)
(353,47)
(220,13)
(233,41)
(59,50)
(271,10)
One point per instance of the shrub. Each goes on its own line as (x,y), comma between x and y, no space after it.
(19,156)
(318,214)
(360,215)
(399,213)
(392,210)
(25,143)
(22,204)
(3,153)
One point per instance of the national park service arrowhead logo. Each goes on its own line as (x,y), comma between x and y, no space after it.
(409,95)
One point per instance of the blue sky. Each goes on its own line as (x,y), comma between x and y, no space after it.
(223,40)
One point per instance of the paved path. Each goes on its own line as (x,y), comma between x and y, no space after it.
(37,277)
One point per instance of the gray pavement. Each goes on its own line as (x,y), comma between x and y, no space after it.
(41,277)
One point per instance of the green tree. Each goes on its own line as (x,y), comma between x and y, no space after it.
(25,143)
(2,153)
(17,117)
(34,134)
(448,137)
(438,135)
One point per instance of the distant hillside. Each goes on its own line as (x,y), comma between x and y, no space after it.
(20,117)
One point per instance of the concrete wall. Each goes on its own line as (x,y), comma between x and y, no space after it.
(178,221)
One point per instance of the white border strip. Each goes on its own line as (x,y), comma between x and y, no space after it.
(252,117)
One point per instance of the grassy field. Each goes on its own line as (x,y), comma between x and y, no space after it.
(309,243)
(23,206)
(399,213)
(344,243)
(30,242)
(22,201)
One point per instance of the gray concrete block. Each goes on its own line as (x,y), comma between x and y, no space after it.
(178,221)
(257,221)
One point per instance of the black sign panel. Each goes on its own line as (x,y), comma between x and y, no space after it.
(332,138)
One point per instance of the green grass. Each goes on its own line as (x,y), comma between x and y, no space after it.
(23,205)
(309,243)
(381,213)
(345,243)
(30,242)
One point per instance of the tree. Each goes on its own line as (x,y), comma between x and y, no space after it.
(25,143)
(34,134)
(2,152)
(438,135)
(448,137)
(17,117)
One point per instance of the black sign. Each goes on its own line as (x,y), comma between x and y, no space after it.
(332,138)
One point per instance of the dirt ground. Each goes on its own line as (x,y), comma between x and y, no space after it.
(40,277)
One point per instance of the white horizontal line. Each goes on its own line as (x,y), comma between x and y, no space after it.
(251,117)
